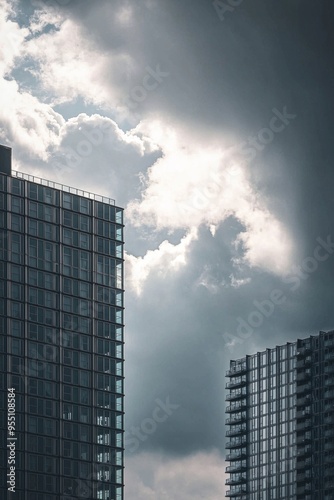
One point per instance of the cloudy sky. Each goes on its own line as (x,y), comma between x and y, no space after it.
(212,124)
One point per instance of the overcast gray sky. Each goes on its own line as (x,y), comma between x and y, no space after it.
(211,123)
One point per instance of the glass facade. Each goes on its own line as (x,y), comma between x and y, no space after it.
(280,415)
(61,340)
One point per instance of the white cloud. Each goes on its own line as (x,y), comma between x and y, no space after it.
(194,184)
(167,258)
(11,37)
(69,64)
(149,476)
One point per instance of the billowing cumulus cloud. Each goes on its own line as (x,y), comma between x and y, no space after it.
(192,185)
(153,477)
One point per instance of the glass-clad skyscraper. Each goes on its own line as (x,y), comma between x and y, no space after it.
(280,416)
(61,340)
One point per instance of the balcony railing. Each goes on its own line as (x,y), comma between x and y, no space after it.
(233,395)
(62,187)
(302,414)
(239,406)
(305,401)
(303,375)
(236,443)
(303,351)
(237,370)
(303,425)
(240,479)
(236,492)
(236,419)
(236,382)
(237,431)
(304,439)
(235,468)
(237,455)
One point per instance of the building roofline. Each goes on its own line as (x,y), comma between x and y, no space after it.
(63,187)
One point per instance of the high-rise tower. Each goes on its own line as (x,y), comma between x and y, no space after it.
(61,340)
(280,418)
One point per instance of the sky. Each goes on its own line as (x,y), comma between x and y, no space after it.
(211,124)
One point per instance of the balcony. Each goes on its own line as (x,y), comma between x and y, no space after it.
(236,419)
(237,369)
(303,439)
(234,395)
(237,455)
(303,351)
(329,472)
(303,376)
(237,431)
(239,406)
(303,389)
(305,401)
(236,382)
(305,452)
(305,488)
(236,468)
(236,491)
(303,463)
(301,477)
(303,414)
(239,479)
(304,425)
(236,443)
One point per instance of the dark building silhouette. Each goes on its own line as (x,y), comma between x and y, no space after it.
(280,422)
(61,340)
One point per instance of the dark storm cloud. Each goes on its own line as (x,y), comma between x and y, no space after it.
(225,79)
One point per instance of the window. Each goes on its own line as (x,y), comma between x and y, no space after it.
(17,205)
(17,223)
(105,211)
(17,252)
